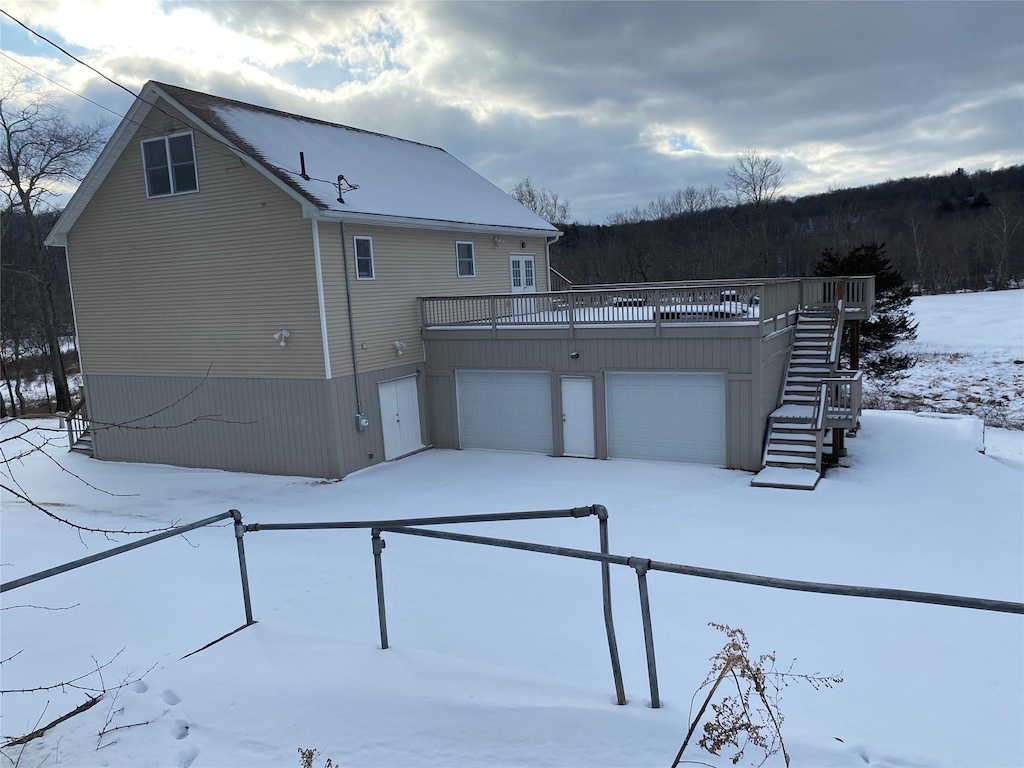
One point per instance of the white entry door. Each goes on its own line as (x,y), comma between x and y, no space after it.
(523,279)
(400,417)
(578,417)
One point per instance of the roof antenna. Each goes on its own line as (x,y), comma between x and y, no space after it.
(344,185)
(302,168)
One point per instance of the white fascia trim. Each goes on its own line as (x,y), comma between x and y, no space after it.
(320,298)
(412,223)
(74,312)
(118,140)
(231,145)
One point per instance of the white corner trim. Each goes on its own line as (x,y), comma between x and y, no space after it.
(74,313)
(320,298)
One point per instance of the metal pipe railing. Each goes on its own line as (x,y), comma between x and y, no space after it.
(376,526)
(642,566)
(234,514)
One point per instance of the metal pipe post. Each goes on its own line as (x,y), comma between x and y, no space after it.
(606,595)
(239,533)
(641,567)
(378,547)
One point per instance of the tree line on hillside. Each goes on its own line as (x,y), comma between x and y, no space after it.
(42,153)
(942,233)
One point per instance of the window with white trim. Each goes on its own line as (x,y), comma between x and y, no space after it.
(364,257)
(170,165)
(464,257)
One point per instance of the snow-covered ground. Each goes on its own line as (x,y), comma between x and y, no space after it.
(498,657)
(970,353)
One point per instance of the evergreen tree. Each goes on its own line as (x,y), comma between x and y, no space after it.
(891,322)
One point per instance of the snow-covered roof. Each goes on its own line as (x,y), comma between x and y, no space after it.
(395,177)
(399,181)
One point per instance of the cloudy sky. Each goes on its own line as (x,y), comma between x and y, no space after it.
(611,104)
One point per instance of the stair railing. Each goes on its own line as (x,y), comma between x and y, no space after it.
(845,398)
(557,281)
(820,409)
(77,422)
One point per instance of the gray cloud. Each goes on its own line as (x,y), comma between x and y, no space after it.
(589,98)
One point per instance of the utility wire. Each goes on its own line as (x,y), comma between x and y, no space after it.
(60,85)
(334,184)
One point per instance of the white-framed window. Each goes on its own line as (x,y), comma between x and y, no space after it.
(170,165)
(364,257)
(464,258)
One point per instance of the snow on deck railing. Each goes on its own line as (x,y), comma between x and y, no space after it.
(845,398)
(773,303)
(859,294)
(670,305)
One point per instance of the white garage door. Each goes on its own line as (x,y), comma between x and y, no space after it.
(505,410)
(666,416)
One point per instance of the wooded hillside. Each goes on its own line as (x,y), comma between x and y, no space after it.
(943,233)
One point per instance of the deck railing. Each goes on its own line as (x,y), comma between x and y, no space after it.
(844,399)
(679,303)
(771,303)
(557,281)
(859,293)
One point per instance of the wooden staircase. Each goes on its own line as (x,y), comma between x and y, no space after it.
(83,444)
(796,429)
(79,429)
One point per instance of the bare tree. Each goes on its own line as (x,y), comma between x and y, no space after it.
(545,202)
(1002,225)
(43,153)
(754,181)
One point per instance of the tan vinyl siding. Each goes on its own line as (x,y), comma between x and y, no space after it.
(173,286)
(408,263)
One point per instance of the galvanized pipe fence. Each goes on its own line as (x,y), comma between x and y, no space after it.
(234,514)
(641,566)
(378,544)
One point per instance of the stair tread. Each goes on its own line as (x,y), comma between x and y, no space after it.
(794,460)
(791,448)
(790,478)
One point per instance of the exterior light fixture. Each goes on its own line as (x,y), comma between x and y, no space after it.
(282,336)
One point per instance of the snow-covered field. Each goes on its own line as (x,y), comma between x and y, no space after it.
(970,353)
(498,657)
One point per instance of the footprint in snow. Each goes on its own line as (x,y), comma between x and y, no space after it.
(140,687)
(180,729)
(170,697)
(187,756)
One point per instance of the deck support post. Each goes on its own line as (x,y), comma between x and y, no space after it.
(855,345)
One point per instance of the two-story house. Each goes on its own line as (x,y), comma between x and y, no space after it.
(260,291)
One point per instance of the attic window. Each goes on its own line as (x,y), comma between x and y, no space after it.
(170,165)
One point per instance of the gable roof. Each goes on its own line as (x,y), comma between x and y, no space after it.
(399,181)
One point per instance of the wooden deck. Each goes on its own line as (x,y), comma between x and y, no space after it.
(770,305)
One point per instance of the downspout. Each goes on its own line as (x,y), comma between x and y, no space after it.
(548,241)
(361,421)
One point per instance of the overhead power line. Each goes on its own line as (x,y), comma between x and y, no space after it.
(126,89)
